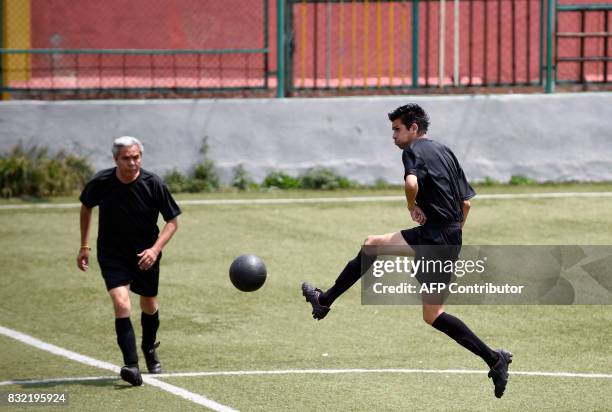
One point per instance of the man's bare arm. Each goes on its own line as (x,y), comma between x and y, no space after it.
(85,224)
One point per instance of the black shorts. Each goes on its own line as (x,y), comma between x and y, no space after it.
(121,271)
(434,244)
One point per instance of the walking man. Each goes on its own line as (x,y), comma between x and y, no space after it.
(129,246)
(438,197)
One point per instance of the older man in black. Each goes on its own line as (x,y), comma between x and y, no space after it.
(438,197)
(129,246)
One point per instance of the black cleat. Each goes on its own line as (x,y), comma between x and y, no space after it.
(153,363)
(131,374)
(312,296)
(499,372)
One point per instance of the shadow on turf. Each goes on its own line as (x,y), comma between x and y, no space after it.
(101,382)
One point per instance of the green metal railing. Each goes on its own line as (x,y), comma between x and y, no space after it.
(405,31)
(338,45)
(127,70)
(583,35)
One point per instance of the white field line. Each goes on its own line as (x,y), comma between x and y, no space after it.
(354,199)
(56,350)
(323,372)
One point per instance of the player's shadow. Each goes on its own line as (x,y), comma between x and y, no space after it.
(102,382)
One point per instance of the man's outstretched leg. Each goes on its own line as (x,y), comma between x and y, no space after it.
(498,361)
(352,272)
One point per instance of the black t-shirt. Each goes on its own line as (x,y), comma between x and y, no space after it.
(128,212)
(442,183)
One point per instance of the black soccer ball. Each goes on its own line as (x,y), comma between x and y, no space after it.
(248,273)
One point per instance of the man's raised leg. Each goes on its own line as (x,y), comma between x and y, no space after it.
(394,243)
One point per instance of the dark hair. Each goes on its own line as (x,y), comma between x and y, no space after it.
(411,113)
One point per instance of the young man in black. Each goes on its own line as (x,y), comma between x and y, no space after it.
(438,197)
(129,246)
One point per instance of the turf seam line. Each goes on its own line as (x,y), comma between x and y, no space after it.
(354,199)
(56,350)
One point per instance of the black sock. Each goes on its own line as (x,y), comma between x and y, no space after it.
(126,340)
(353,270)
(459,331)
(150,324)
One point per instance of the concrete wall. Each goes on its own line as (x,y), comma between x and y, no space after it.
(546,137)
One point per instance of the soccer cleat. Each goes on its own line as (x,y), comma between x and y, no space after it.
(499,372)
(152,360)
(131,374)
(312,296)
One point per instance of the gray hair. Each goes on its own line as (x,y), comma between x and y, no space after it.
(125,141)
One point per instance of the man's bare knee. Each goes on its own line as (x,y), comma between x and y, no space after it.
(122,307)
(148,305)
(430,314)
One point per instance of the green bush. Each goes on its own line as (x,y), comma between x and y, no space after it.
(489,181)
(281,180)
(516,180)
(381,183)
(176,181)
(242,179)
(322,178)
(205,179)
(34,172)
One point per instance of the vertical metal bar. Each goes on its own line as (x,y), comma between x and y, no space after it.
(341,46)
(582,26)
(280,48)
(302,43)
(353,42)
(441,42)
(266,55)
(4,95)
(289,36)
(514,28)
(528,44)
(427,13)
(100,71)
(415,43)
(404,45)
(378,42)
(366,38)
(605,40)
(486,43)
(391,47)
(247,59)
(77,69)
(200,71)
(456,52)
(53,70)
(220,70)
(315,43)
(471,41)
(499,42)
(555,42)
(123,69)
(551,12)
(541,67)
(328,44)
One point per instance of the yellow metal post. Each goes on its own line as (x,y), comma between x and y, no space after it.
(16,34)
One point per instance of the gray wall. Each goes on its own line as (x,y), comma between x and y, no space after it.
(546,137)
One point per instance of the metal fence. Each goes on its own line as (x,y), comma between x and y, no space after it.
(399,44)
(93,47)
(582,43)
(156,48)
